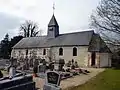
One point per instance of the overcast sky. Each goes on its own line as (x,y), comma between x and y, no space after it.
(72,15)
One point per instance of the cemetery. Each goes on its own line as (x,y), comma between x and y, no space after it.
(55,61)
(29,74)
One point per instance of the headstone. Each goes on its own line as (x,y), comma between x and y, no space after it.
(18,83)
(35,66)
(12,72)
(31,62)
(12,69)
(51,66)
(26,64)
(42,68)
(52,81)
(58,66)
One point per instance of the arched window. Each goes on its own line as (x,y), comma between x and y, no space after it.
(60,51)
(44,51)
(74,51)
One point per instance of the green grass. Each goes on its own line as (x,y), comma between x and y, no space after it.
(107,80)
(5,73)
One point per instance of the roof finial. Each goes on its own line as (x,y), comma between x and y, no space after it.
(53,7)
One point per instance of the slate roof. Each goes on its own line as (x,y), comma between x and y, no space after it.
(69,39)
(98,45)
(53,21)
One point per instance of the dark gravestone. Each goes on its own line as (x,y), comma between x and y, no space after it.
(51,66)
(31,62)
(26,64)
(58,66)
(35,66)
(52,81)
(53,78)
(18,83)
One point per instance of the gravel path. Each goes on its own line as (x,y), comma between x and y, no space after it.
(73,81)
(80,79)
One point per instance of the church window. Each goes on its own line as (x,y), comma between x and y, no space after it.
(44,51)
(19,53)
(74,51)
(51,29)
(61,51)
(26,52)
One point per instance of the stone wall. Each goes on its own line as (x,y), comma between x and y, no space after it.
(32,53)
(101,60)
(81,58)
(105,60)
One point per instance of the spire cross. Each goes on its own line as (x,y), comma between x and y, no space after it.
(53,7)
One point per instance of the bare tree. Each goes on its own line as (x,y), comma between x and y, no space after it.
(106,20)
(29,29)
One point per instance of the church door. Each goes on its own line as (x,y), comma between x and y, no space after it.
(93,56)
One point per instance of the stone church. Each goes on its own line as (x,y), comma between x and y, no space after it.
(86,47)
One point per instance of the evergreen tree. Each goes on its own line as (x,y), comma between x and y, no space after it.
(15,40)
(5,47)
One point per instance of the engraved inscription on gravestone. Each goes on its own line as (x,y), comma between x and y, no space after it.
(52,81)
(53,78)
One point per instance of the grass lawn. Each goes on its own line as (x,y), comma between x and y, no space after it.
(107,80)
(5,73)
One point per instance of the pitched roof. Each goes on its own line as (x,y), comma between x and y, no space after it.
(77,38)
(98,45)
(53,21)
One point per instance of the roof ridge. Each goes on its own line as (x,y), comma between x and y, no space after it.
(35,37)
(77,32)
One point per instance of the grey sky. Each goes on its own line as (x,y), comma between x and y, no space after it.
(72,15)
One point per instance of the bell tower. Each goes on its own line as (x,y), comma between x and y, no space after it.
(53,28)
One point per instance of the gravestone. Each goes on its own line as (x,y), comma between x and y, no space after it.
(12,72)
(18,83)
(12,69)
(31,62)
(52,81)
(26,64)
(58,66)
(35,65)
(41,68)
(51,66)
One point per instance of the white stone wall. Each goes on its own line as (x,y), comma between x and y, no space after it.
(17,53)
(105,60)
(81,58)
(36,52)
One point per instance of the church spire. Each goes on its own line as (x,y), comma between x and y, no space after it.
(53,27)
(53,21)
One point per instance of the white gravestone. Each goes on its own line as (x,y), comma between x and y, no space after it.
(11,72)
